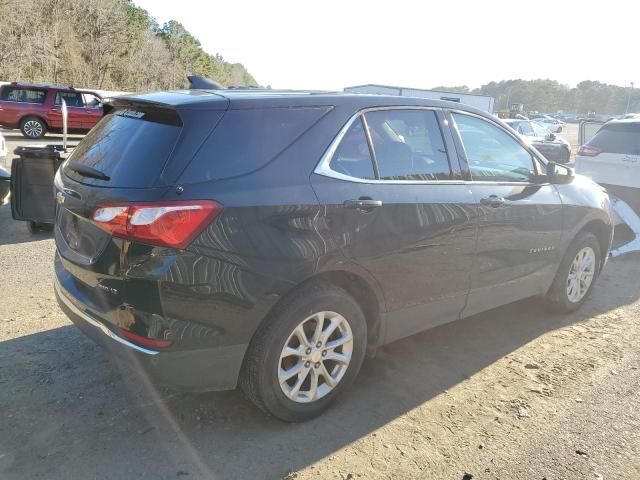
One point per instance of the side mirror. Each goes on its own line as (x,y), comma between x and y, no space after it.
(560,174)
(551,136)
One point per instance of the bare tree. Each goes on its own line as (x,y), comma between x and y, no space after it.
(102,44)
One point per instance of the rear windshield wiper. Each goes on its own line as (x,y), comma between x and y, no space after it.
(87,171)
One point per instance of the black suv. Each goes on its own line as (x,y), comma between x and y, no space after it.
(270,239)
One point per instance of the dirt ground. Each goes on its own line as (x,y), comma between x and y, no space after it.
(515,393)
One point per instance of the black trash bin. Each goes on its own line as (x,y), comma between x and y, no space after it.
(32,174)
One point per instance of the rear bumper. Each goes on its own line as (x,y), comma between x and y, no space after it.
(195,370)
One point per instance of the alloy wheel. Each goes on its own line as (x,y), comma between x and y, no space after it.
(581,274)
(33,128)
(315,357)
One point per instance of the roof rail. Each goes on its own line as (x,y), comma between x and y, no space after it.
(49,85)
(196,82)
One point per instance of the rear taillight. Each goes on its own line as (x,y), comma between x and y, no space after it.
(587,151)
(145,341)
(169,224)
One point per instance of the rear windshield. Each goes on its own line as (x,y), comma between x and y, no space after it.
(618,138)
(129,146)
(246,140)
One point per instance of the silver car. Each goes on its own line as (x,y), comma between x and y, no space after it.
(555,149)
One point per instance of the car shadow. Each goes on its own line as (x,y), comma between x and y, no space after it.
(69,411)
(13,231)
(50,138)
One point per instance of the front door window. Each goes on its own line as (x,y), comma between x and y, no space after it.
(492,154)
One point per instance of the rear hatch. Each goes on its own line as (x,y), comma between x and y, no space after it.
(133,155)
(612,156)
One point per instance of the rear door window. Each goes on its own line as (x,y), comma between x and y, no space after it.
(618,138)
(24,95)
(246,140)
(353,157)
(129,146)
(408,145)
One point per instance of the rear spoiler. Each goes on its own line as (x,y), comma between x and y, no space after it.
(139,108)
(197,82)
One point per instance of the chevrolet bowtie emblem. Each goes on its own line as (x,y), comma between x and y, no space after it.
(59,198)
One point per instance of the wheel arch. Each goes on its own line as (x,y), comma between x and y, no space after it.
(367,295)
(33,115)
(602,232)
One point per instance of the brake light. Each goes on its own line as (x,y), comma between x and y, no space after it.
(169,224)
(588,151)
(145,341)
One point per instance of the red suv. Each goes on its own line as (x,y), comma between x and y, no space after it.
(36,109)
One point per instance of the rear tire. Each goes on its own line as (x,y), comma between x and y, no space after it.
(277,350)
(33,127)
(576,275)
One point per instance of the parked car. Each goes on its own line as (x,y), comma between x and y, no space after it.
(553,148)
(611,157)
(553,124)
(3,149)
(5,176)
(37,108)
(5,185)
(572,119)
(270,239)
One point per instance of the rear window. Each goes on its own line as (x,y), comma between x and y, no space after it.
(24,95)
(246,140)
(129,146)
(618,138)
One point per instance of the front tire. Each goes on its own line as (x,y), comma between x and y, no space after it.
(307,352)
(576,275)
(33,127)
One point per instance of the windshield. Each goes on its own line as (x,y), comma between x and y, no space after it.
(525,128)
(539,130)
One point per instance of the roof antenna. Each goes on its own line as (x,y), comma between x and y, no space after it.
(196,82)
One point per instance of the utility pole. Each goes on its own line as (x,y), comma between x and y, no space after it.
(626,110)
(509,95)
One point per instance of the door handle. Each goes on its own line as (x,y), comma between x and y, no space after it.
(365,204)
(492,201)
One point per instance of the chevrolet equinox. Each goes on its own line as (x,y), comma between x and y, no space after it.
(271,239)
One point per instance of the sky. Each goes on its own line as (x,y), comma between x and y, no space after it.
(422,44)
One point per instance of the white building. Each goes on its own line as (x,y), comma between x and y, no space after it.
(481,102)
